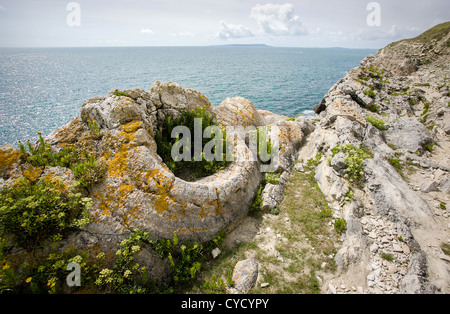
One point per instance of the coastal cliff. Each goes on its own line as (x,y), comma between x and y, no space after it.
(396,106)
(378,151)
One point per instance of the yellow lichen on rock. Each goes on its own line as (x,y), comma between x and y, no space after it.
(132,126)
(8,157)
(31,173)
(114,198)
(117,166)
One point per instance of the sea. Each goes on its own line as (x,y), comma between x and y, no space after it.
(42,89)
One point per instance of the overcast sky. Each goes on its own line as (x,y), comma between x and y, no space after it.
(289,23)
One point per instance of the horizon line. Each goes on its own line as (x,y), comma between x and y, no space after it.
(190,46)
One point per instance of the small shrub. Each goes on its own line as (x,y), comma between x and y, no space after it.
(271,178)
(426,108)
(325,212)
(413,101)
(86,168)
(378,123)
(374,108)
(395,162)
(312,163)
(354,160)
(126,276)
(31,213)
(120,93)
(43,156)
(293,118)
(256,204)
(442,206)
(340,225)
(94,129)
(199,169)
(387,256)
(259,136)
(275,211)
(90,172)
(186,258)
(370,93)
(446,248)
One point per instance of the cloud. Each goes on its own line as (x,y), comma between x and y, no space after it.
(228,31)
(278,19)
(146,31)
(2,8)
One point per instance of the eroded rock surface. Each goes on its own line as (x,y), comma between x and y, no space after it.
(395,104)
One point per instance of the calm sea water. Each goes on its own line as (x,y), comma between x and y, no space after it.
(42,89)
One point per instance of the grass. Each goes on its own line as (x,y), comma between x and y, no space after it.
(300,248)
(387,256)
(435,33)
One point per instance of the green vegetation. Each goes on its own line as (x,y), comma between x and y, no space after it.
(259,136)
(255,207)
(119,273)
(435,33)
(312,163)
(271,178)
(370,93)
(413,101)
(217,285)
(387,256)
(94,129)
(354,160)
(89,171)
(425,114)
(340,225)
(43,156)
(442,206)
(374,108)
(293,118)
(378,123)
(302,248)
(120,93)
(185,259)
(395,162)
(195,169)
(369,75)
(86,168)
(125,276)
(446,248)
(31,213)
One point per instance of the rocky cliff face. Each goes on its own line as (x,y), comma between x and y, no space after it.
(396,105)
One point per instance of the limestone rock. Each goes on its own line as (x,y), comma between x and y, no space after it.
(429,187)
(244,276)
(409,134)
(239,112)
(389,191)
(333,186)
(271,196)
